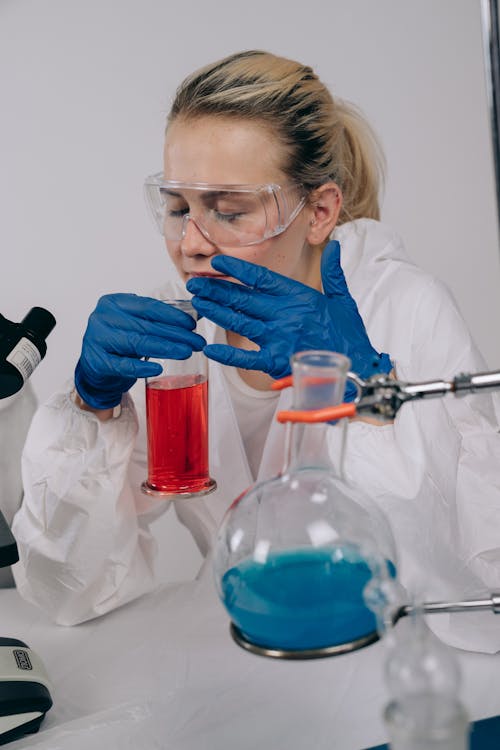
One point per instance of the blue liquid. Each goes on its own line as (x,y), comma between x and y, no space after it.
(300,599)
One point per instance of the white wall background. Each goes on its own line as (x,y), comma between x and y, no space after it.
(84,89)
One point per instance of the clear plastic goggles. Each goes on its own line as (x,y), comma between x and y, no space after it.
(227,215)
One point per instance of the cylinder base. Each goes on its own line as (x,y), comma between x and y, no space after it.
(165,495)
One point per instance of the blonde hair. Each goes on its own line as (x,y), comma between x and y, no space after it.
(325,139)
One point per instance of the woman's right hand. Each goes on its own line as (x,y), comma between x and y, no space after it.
(122,330)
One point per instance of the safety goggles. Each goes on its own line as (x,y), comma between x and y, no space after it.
(227,215)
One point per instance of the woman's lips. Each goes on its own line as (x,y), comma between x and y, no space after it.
(208,274)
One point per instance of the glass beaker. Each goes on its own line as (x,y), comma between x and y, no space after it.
(177,425)
(294,554)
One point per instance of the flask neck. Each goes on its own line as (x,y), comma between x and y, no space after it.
(308,448)
(318,381)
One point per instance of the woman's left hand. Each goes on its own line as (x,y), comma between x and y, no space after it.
(283,316)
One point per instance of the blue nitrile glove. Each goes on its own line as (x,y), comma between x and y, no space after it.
(284,316)
(122,329)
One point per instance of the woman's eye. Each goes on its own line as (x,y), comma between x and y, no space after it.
(228,217)
(176,213)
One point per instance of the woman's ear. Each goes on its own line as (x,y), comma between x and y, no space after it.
(325,203)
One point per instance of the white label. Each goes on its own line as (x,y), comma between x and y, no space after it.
(25,357)
(10,669)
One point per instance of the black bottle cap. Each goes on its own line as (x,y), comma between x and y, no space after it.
(39,322)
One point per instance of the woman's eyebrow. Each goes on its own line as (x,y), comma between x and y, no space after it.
(169,191)
(205,196)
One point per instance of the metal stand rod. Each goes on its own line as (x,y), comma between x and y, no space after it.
(460,385)
(468,605)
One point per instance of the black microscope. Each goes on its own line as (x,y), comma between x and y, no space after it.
(24,684)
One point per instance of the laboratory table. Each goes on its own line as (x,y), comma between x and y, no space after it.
(163,672)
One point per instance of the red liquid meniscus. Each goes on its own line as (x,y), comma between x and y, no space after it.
(177,422)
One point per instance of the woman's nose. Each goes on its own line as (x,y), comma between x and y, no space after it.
(193,241)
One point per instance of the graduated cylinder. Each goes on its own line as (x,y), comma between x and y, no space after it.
(177,425)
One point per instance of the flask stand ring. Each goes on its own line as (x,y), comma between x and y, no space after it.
(310,653)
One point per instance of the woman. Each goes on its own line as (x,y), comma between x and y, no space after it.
(261,168)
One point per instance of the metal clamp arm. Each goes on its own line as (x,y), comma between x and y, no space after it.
(491,604)
(382,396)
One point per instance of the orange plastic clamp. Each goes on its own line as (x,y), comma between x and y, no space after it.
(328,414)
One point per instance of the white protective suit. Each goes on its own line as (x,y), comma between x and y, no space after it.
(16,413)
(85,531)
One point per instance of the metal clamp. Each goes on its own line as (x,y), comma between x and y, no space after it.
(381,396)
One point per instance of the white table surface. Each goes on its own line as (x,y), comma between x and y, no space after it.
(163,672)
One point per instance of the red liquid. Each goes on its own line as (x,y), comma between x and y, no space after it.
(177,420)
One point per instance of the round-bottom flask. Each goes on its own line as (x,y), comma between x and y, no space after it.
(294,554)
